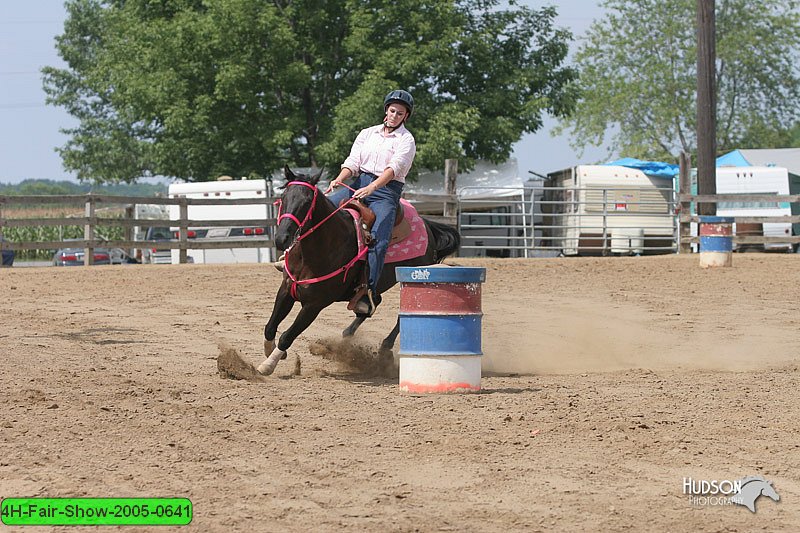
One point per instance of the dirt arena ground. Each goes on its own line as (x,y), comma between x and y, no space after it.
(607,382)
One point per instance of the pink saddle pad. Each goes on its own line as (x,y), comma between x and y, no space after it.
(417,241)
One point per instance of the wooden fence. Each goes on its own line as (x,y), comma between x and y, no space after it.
(94,205)
(90,221)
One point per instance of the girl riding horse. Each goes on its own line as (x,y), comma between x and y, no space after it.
(324,262)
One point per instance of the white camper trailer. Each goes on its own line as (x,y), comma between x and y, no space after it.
(756,180)
(609,209)
(224,190)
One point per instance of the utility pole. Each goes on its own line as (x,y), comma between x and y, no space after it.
(450,175)
(706,105)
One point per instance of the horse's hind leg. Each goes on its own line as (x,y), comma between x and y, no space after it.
(354,325)
(304,319)
(388,342)
(283,305)
(385,353)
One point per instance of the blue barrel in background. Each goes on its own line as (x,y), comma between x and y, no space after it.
(440,328)
(716,241)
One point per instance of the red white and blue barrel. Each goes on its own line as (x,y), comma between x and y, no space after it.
(716,241)
(440,329)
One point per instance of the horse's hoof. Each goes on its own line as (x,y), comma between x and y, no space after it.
(268,347)
(386,353)
(267,367)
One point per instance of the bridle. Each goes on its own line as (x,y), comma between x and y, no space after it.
(362,248)
(294,219)
(291,216)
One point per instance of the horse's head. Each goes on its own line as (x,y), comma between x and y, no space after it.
(296,206)
(752,488)
(769,491)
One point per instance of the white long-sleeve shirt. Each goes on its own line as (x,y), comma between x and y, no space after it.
(374,153)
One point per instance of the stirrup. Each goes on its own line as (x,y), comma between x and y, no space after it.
(366,305)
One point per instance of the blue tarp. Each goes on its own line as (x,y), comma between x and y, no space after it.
(656,168)
(651,168)
(733,159)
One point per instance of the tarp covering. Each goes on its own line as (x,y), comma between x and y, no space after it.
(651,168)
(483,186)
(788,158)
(732,159)
(494,177)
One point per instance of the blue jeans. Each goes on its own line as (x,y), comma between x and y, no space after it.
(384,203)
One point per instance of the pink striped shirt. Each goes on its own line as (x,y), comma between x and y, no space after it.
(374,153)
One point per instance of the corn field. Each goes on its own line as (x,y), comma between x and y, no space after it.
(54,233)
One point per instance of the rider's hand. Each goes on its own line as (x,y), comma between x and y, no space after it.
(335,183)
(363,192)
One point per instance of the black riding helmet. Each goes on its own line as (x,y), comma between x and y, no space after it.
(399,96)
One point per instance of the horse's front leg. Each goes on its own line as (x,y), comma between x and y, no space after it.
(305,317)
(354,325)
(283,305)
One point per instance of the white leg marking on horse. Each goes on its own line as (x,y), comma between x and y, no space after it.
(268,366)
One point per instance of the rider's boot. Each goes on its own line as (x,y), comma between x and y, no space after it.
(279,263)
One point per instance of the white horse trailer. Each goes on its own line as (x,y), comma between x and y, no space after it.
(756,180)
(224,190)
(609,209)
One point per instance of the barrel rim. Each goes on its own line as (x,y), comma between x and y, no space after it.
(440,274)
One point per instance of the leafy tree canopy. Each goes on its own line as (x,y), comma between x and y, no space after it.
(638,74)
(199,88)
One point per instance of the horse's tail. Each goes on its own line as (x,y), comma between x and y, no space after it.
(446,239)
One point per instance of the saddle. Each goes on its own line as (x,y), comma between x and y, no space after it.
(401,228)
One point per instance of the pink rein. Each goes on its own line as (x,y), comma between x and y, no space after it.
(362,249)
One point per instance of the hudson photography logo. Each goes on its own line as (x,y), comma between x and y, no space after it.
(745,491)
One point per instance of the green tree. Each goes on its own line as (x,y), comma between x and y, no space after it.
(198,88)
(638,77)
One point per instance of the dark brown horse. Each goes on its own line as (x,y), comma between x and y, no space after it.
(322,264)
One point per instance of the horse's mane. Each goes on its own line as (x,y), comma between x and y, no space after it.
(750,479)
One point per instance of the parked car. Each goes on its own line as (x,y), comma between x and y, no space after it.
(120,257)
(102,256)
(152,255)
(7,256)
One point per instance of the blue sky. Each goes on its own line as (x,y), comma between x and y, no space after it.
(30,129)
